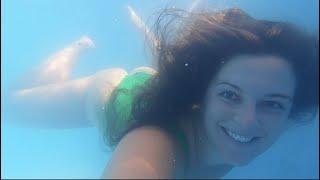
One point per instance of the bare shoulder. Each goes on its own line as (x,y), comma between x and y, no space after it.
(145,152)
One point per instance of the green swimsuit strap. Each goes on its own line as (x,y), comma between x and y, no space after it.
(182,139)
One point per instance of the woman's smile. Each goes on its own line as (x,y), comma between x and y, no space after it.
(238,139)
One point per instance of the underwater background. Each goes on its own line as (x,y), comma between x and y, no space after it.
(32,30)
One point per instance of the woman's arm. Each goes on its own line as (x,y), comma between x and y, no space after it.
(144,153)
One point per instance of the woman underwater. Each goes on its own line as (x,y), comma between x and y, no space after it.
(225,87)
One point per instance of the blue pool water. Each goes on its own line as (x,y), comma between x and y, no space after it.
(32,30)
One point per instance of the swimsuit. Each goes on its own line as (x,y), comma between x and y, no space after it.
(120,105)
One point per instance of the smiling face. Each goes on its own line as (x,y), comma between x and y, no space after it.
(247,107)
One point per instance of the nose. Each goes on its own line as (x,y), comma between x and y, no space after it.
(247,116)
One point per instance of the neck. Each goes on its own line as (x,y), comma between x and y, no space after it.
(205,162)
(205,172)
(209,163)
(211,172)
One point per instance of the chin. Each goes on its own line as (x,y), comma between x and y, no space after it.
(240,163)
(236,160)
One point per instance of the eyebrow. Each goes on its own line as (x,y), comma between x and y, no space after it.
(273,95)
(234,86)
(279,96)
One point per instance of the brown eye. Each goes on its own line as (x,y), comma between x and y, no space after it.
(230,96)
(272,105)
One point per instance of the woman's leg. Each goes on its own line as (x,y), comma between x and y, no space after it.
(65,104)
(56,68)
(140,24)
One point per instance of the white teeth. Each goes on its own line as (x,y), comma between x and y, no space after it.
(238,137)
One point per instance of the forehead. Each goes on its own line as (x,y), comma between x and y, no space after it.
(259,74)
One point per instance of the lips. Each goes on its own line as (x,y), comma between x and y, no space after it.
(237,137)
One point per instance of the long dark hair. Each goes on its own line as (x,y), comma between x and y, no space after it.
(193,47)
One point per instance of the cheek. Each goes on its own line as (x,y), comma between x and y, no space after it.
(273,123)
(273,126)
(216,113)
